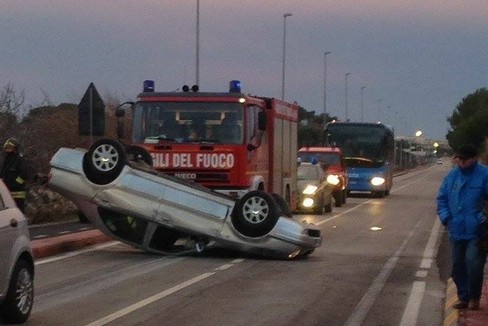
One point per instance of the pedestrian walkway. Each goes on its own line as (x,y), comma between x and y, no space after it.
(477,317)
(466,317)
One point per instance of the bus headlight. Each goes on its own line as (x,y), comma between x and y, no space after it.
(377,181)
(333,179)
(308,202)
(310,190)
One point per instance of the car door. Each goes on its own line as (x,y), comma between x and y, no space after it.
(7,237)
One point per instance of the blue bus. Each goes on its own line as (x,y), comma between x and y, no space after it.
(369,150)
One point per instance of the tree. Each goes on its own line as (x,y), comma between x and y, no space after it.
(469,122)
(11,107)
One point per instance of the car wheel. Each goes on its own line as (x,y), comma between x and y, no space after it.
(104,161)
(282,205)
(255,214)
(344,196)
(20,296)
(319,209)
(338,198)
(328,207)
(378,194)
(305,254)
(139,154)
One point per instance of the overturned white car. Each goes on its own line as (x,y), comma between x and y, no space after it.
(129,201)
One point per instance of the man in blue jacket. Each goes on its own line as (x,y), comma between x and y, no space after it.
(460,207)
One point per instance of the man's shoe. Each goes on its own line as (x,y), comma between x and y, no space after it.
(460,305)
(474,304)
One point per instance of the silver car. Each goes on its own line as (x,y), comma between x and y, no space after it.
(16,262)
(131,202)
(314,191)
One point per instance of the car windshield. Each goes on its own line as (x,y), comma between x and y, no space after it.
(307,172)
(326,158)
(188,122)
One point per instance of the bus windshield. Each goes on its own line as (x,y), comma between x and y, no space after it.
(362,144)
(188,122)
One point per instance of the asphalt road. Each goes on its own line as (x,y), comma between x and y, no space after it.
(376,267)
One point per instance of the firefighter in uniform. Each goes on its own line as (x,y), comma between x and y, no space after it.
(14,172)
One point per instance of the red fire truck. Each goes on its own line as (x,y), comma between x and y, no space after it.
(228,141)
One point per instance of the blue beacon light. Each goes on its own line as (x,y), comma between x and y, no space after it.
(235,86)
(148,86)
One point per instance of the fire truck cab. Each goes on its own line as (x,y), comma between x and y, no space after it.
(228,141)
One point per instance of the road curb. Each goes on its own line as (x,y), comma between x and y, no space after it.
(465,317)
(451,315)
(74,241)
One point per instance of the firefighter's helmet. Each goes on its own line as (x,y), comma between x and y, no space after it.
(11,142)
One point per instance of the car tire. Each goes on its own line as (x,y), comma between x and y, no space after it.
(378,194)
(338,198)
(319,209)
(20,296)
(282,205)
(344,196)
(104,161)
(328,207)
(255,214)
(139,154)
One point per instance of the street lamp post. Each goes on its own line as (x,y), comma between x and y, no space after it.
(284,54)
(379,109)
(347,114)
(324,122)
(197,46)
(387,115)
(362,103)
(325,85)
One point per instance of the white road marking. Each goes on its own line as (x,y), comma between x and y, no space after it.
(358,206)
(363,307)
(411,313)
(413,307)
(161,295)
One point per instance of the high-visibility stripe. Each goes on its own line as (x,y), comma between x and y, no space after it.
(9,143)
(19,180)
(18,194)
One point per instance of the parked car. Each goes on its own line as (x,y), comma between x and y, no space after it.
(130,201)
(439,161)
(314,192)
(332,160)
(16,262)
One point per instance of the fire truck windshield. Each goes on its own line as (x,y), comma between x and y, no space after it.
(188,122)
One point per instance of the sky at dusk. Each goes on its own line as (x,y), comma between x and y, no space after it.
(415,59)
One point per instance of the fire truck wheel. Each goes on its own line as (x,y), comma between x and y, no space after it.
(104,161)
(255,214)
(282,205)
(139,154)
